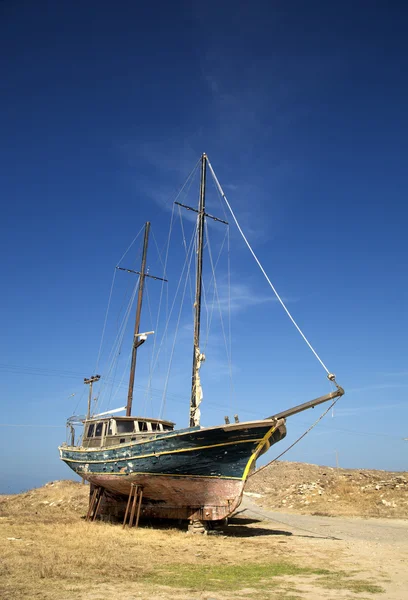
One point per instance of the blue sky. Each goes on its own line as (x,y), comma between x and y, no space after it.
(301,107)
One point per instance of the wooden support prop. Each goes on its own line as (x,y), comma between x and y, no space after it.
(132,513)
(98,504)
(91,504)
(134,505)
(139,506)
(95,503)
(128,505)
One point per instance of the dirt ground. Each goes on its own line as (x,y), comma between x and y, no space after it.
(49,552)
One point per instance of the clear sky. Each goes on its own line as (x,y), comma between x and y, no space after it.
(302,108)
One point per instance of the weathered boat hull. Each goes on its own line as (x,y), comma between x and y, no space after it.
(168,497)
(189,474)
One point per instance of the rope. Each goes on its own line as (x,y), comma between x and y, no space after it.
(263,270)
(296,441)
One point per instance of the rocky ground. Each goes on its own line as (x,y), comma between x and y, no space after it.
(313,489)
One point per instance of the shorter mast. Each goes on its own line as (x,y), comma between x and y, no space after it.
(136,341)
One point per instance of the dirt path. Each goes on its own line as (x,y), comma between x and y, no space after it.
(378,547)
(385,531)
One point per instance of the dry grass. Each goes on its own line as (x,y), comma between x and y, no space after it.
(65,499)
(55,554)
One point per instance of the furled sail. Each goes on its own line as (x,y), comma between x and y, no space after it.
(195,412)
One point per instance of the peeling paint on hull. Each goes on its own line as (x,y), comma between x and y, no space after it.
(190,474)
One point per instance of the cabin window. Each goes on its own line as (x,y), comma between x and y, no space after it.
(124,426)
(155,426)
(167,428)
(143,426)
(98,430)
(90,430)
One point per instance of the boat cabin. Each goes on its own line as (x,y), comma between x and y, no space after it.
(111,431)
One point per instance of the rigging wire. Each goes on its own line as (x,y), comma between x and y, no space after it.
(164,339)
(134,240)
(79,400)
(117,344)
(174,301)
(231,398)
(185,248)
(120,334)
(159,253)
(125,371)
(184,237)
(263,270)
(187,184)
(166,383)
(113,378)
(209,311)
(219,303)
(298,439)
(212,282)
(105,321)
(110,298)
(149,350)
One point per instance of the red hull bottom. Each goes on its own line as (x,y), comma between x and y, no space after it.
(168,497)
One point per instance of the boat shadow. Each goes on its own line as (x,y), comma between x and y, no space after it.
(242,531)
(237,527)
(240,527)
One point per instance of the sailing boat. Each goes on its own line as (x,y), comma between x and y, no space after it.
(196,473)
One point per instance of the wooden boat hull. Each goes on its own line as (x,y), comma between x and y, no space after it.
(167,497)
(186,474)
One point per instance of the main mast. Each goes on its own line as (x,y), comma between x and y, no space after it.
(136,341)
(197,356)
